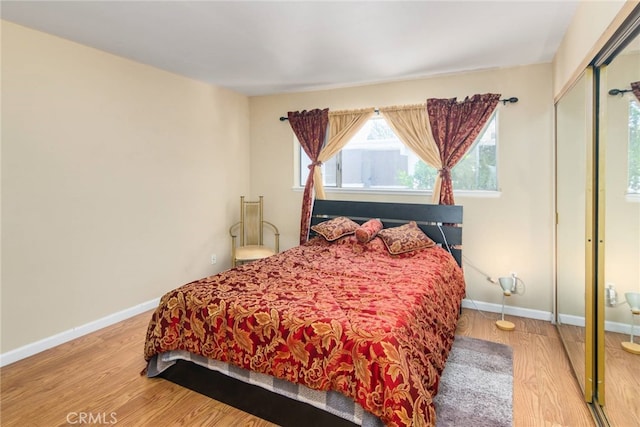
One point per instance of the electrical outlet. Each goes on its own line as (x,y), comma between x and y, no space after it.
(214,259)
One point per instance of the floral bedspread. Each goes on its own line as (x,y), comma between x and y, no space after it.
(344,316)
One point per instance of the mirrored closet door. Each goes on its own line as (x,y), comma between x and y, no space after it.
(619,219)
(598,228)
(574,250)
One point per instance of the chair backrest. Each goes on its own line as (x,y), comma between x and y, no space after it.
(251,218)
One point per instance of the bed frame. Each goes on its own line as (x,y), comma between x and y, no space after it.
(441,223)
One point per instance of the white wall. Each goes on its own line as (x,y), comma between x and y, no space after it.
(118,182)
(512,232)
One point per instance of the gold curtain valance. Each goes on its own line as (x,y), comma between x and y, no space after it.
(408,107)
(356,111)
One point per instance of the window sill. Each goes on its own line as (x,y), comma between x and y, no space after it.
(461,193)
(632,197)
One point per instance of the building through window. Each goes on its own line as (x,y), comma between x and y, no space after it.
(376,159)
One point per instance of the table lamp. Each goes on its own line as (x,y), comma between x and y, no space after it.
(633,299)
(508,285)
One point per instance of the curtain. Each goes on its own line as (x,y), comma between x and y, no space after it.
(411,124)
(343,125)
(310,127)
(455,126)
(635,88)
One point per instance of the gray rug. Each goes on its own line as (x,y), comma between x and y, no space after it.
(476,387)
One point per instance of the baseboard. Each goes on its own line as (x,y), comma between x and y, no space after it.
(566,319)
(621,328)
(508,309)
(570,319)
(71,334)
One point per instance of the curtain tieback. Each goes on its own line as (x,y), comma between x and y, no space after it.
(314,164)
(445,171)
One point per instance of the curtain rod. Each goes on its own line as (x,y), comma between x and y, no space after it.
(282,118)
(512,100)
(614,92)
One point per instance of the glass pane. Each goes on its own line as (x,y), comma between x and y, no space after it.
(329,170)
(477,169)
(376,158)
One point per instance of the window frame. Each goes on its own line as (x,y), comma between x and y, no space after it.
(298,184)
(632,196)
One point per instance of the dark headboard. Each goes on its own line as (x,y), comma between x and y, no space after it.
(431,218)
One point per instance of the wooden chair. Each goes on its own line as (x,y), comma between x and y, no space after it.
(247,234)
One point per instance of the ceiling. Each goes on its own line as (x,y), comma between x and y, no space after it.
(268,47)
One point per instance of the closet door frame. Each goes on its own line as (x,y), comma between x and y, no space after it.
(629,29)
(591,207)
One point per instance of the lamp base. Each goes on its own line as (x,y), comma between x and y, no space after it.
(505,325)
(631,347)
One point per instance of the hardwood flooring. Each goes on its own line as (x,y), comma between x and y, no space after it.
(97,378)
(622,374)
(545,390)
(622,377)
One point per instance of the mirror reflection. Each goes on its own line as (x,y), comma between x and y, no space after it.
(620,145)
(573,122)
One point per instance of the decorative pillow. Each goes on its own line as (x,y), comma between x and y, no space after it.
(405,238)
(368,230)
(335,228)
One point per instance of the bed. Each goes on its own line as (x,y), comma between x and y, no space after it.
(339,332)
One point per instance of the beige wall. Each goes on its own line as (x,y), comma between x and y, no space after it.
(118,182)
(512,232)
(592,26)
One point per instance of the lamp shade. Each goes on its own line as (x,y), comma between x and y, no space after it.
(506,283)
(633,299)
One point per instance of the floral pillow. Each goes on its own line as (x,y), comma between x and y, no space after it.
(335,228)
(375,245)
(405,238)
(368,230)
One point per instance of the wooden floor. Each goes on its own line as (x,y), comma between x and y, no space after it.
(98,377)
(545,390)
(622,374)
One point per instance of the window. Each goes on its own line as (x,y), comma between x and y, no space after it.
(634,148)
(375,159)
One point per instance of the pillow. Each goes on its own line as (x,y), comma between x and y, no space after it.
(368,230)
(405,238)
(335,228)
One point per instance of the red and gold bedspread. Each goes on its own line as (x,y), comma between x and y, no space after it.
(339,316)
